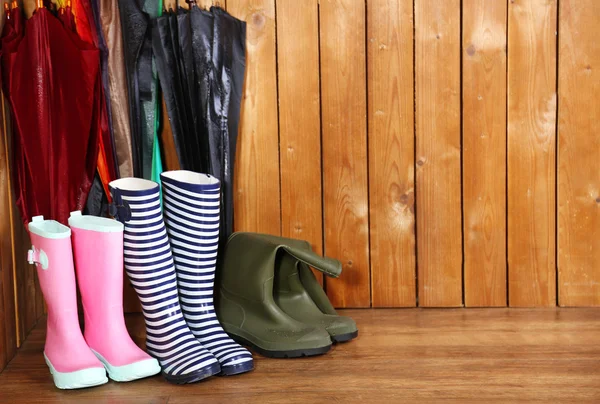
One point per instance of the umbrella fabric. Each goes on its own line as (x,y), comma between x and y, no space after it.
(141,77)
(171,160)
(171,84)
(201,23)
(134,24)
(54,112)
(12,35)
(111,25)
(201,63)
(229,37)
(106,163)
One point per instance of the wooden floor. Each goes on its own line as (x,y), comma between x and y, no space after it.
(424,355)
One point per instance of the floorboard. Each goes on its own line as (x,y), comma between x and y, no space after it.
(401,355)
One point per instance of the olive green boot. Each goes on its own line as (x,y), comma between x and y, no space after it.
(245,305)
(302,297)
(293,280)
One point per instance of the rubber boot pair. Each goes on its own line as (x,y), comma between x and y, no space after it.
(79,360)
(270,300)
(171,263)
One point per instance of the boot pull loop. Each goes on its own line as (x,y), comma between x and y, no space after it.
(119,209)
(35,256)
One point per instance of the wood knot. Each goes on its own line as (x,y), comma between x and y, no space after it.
(471,50)
(420,162)
(258,19)
(598,199)
(349,263)
(404,199)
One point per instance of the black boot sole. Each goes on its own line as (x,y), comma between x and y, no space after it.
(200,374)
(344,337)
(294,353)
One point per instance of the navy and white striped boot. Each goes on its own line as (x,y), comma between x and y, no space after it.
(149,266)
(191,205)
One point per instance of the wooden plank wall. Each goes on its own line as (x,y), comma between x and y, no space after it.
(430,145)
(444,150)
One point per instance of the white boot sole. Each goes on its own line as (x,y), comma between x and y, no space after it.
(133,371)
(79,379)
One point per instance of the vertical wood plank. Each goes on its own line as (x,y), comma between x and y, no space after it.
(300,121)
(484,152)
(257,193)
(531,152)
(439,227)
(579,154)
(8,321)
(345,188)
(391,152)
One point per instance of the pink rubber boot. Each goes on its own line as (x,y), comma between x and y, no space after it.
(71,362)
(98,247)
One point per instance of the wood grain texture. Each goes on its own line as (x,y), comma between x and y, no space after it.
(345,188)
(208,3)
(484,152)
(8,321)
(439,233)
(579,154)
(400,356)
(30,301)
(300,121)
(257,192)
(531,152)
(391,152)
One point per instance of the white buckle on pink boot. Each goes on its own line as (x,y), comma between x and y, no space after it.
(71,362)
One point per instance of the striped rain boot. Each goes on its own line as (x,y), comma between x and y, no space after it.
(149,266)
(191,203)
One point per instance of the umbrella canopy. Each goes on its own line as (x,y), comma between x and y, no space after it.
(141,78)
(229,64)
(21,176)
(53,82)
(201,64)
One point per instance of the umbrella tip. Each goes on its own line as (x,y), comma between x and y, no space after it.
(69,3)
(14,4)
(40,4)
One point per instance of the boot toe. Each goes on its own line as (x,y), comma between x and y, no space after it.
(342,328)
(78,379)
(237,364)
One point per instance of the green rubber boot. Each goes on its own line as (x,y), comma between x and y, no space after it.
(245,305)
(302,297)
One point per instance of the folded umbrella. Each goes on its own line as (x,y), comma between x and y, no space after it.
(165,48)
(201,24)
(228,57)
(111,26)
(52,87)
(12,34)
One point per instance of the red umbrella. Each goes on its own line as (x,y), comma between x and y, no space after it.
(21,174)
(54,91)
(106,162)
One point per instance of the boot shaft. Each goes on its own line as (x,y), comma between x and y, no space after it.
(52,255)
(98,255)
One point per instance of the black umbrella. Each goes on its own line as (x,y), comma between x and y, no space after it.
(137,44)
(201,63)
(229,63)
(165,47)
